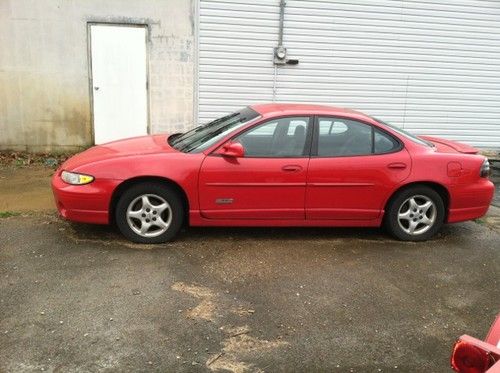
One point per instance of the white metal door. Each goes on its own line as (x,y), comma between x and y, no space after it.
(119,82)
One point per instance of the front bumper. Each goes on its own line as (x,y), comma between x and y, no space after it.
(84,203)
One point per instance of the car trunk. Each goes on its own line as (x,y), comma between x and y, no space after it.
(449,146)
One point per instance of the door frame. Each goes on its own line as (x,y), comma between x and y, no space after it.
(211,153)
(346,158)
(90,77)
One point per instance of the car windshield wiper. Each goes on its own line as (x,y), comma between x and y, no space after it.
(193,145)
(223,119)
(186,135)
(174,136)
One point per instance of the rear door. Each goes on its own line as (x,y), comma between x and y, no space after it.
(269,182)
(353,169)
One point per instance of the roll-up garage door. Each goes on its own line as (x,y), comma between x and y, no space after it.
(432,67)
(236,41)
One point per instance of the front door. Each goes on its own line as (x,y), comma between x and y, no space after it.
(353,169)
(119,81)
(269,182)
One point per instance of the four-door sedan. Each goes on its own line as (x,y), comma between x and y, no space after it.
(277,165)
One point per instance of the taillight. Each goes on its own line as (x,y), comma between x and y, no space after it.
(485,169)
(467,358)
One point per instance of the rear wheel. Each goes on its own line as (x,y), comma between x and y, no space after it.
(149,213)
(415,214)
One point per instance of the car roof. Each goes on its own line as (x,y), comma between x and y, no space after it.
(277,109)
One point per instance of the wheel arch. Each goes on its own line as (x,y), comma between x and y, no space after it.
(437,187)
(122,187)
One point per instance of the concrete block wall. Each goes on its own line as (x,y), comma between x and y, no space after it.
(44,68)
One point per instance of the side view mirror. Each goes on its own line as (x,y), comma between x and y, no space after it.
(232,149)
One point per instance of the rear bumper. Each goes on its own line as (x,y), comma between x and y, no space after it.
(83,203)
(470,201)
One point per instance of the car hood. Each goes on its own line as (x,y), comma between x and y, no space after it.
(120,148)
(449,146)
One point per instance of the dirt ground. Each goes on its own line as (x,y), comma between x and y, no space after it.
(78,298)
(25,188)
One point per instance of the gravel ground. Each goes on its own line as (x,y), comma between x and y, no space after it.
(79,298)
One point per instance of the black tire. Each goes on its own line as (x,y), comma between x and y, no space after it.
(153,190)
(401,202)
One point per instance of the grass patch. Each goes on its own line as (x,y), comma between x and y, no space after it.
(8,214)
(23,159)
(481,221)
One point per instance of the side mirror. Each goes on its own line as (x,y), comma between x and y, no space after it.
(232,149)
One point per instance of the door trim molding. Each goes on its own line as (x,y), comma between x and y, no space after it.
(339,184)
(256,184)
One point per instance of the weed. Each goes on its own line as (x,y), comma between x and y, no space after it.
(8,214)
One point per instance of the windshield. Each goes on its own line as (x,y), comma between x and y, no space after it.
(204,136)
(405,133)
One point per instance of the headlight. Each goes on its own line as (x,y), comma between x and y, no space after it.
(76,179)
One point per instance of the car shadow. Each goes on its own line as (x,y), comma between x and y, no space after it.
(281,233)
(108,234)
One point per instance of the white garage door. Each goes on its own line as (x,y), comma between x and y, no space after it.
(432,67)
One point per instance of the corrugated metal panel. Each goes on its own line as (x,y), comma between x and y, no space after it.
(236,41)
(429,66)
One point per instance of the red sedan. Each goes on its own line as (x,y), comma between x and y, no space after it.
(277,165)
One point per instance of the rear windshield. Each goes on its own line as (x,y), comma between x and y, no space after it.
(204,136)
(404,133)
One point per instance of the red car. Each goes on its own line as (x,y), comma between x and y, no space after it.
(277,165)
(471,355)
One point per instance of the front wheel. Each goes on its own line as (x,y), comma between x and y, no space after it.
(149,213)
(415,214)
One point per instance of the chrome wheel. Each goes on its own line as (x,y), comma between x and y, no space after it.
(417,215)
(149,215)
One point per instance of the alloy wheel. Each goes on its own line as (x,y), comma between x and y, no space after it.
(417,215)
(149,215)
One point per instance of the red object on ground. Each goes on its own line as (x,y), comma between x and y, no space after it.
(471,355)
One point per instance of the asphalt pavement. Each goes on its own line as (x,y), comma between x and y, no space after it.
(78,298)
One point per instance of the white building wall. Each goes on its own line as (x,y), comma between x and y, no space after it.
(429,66)
(44,74)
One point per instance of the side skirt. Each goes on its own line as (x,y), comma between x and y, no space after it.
(196,220)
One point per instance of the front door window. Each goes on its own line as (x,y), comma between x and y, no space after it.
(278,138)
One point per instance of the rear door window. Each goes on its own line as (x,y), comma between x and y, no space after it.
(343,137)
(340,137)
(384,143)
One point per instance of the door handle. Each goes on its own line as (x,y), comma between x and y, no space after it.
(292,168)
(397,166)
